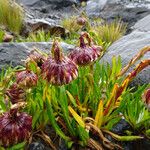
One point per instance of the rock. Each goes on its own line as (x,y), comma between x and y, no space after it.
(46,15)
(48,25)
(36,146)
(14,53)
(129,12)
(143,25)
(95,6)
(128,46)
(62,145)
(121,127)
(55,3)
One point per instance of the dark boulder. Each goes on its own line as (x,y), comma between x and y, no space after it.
(54,3)
(15,53)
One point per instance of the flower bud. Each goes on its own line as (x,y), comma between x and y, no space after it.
(15,127)
(26,78)
(81,21)
(86,53)
(58,69)
(15,93)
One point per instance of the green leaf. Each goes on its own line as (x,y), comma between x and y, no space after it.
(71,98)
(64,106)
(83,134)
(54,123)
(19,146)
(35,118)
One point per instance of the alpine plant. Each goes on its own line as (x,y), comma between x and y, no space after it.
(59,69)
(26,78)
(36,57)
(86,53)
(15,127)
(15,93)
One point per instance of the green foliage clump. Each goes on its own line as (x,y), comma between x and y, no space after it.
(134,110)
(39,36)
(11,15)
(70,24)
(109,32)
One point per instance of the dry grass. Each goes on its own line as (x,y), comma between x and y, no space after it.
(11,15)
(71,24)
(110,32)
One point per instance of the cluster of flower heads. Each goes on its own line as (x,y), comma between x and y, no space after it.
(57,69)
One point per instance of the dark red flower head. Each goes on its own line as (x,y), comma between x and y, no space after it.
(58,69)
(15,93)
(15,127)
(26,78)
(87,53)
(37,57)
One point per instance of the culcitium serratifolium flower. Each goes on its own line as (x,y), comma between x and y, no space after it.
(15,127)
(59,69)
(26,78)
(86,53)
(15,93)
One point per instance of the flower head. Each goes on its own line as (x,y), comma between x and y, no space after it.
(86,53)
(15,93)
(37,57)
(26,78)
(58,69)
(15,127)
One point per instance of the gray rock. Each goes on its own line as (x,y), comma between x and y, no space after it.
(36,146)
(45,14)
(129,12)
(127,47)
(143,25)
(14,53)
(54,3)
(47,24)
(95,6)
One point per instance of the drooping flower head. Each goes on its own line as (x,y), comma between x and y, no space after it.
(86,53)
(59,69)
(15,127)
(15,93)
(37,57)
(26,78)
